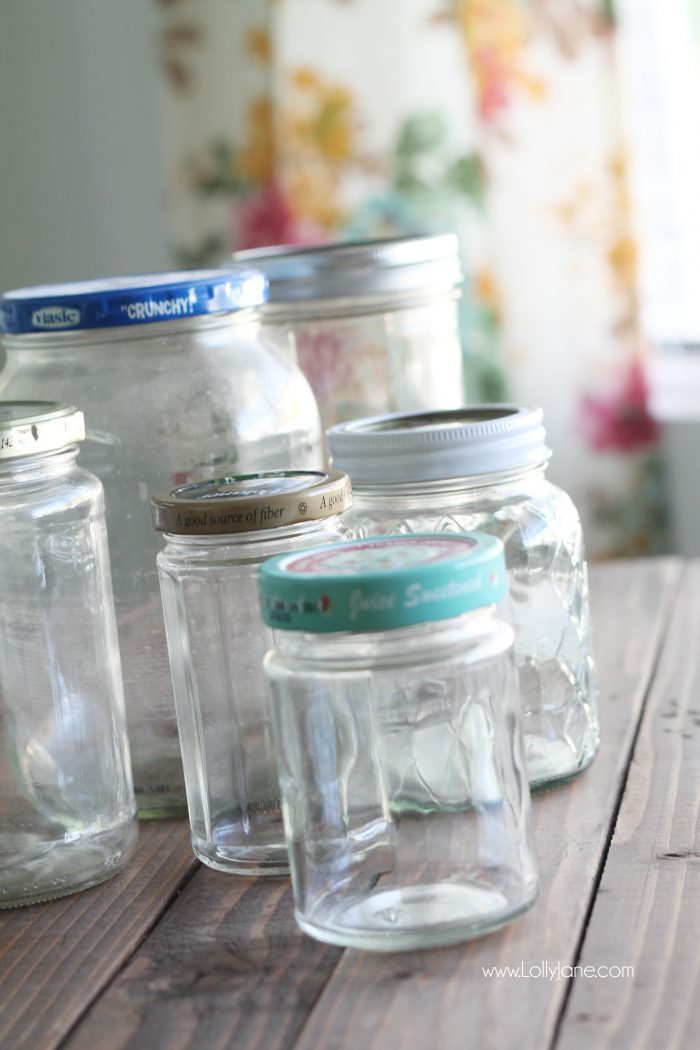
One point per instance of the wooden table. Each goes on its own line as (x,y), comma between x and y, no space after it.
(173,955)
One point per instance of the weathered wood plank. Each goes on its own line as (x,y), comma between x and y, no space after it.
(647,912)
(225,967)
(55,958)
(442,998)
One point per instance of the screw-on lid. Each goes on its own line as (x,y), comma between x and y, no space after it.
(434,446)
(357,268)
(382,583)
(251,502)
(112,302)
(31,427)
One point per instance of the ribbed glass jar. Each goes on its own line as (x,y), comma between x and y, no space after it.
(67,813)
(397,727)
(177,387)
(483,468)
(217,641)
(373,324)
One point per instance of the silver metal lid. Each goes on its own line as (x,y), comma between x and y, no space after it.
(356,268)
(251,502)
(31,427)
(434,446)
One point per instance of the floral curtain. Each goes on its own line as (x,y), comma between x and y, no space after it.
(311,120)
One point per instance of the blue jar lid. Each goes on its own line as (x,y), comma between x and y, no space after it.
(113,302)
(382,583)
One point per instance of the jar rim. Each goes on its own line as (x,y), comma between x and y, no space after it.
(383,582)
(356,268)
(124,301)
(30,428)
(478,439)
(254,502)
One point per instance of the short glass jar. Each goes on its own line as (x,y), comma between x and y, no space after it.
(373,324)
(396,722)
(67,813)
(483,467)
(178,388)
(217,534)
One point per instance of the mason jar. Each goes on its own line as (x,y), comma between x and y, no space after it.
(217,533)
(178,388)
(397,727)
(373,324)
(67,813)
(483,467)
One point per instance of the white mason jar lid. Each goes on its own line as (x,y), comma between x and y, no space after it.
(28,428)
(356,268)
(433,446)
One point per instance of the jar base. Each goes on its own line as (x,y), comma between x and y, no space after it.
(552,763)
(416,917)
(244,861)
(59,869)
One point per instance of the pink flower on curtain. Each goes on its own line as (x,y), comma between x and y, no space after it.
(265,217)
(619,419)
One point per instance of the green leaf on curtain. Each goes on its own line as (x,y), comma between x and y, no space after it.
(607,8)
(466,175)
(220,174)
(421,134)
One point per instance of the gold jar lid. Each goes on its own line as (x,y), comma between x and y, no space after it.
(28,428)
(251,502)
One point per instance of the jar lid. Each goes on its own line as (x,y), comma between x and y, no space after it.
(340,271)
(31,427)
(433,446)
(113,302)
(251,502)
(381,583)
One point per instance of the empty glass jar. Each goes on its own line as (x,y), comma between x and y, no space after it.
(396,721)
(217,534)
(373,324)
(177,388)
(483,467)
(67,813)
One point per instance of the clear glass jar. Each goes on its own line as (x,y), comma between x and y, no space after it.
(67,813)
(483,467)
(397,726)
(217,534)
(177,387)
(373,324)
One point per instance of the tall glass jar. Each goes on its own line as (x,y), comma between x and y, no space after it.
(217,534)
(177,387)
(67,813)
(373,324)
(397,727)
(483,467)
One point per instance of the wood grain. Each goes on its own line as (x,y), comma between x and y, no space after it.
(225,967)
(55,958)
(647,912)
(442,998)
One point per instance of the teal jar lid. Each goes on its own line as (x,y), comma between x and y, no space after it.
(381,583)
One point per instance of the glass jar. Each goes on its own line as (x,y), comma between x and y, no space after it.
(217,534)
(373,324)
(177,388)
(396,723)
(483,467)
(67,814)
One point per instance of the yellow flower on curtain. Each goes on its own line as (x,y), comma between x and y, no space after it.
(496,33)
(256,159)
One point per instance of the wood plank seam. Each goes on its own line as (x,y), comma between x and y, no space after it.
(671,602)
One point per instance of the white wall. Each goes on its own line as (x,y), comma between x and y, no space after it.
(81,181)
